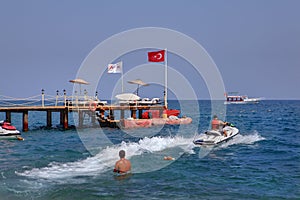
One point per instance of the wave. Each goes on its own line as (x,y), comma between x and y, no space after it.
(146,155)
(106,158)
(244,139)
(239,139)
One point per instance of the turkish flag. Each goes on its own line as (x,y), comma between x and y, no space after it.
(156,56)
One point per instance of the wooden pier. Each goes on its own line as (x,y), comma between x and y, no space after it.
(64,104)
(48,109)
(64,112)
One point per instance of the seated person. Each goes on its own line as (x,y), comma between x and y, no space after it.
(217,124)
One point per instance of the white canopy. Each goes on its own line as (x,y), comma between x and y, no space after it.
(127,97)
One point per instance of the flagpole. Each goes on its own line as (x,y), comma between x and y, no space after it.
(122,77)
(166,79)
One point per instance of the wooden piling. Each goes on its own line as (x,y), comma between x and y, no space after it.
(65,118)
(80,118)
(111,114)
(93,117)
(140,113)
(49,118)
(61,117)
(8,116)
(25,121)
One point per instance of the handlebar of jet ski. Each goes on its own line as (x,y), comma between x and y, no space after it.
(229,124)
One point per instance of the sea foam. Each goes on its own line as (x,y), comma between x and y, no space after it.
(147,149)
(106,158)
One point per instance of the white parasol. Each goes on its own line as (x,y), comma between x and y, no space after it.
(138,82)
(80,82)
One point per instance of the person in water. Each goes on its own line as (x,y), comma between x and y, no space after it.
(217,124)
(169,158)
(122,166)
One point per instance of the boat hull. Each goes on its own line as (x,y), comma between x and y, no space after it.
(136,123)
(144,123)
(149,114)
(10,135)
(211,137)
(240,102)
(176,121)
(7,131)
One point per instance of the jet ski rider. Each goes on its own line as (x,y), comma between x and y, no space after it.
(216,124)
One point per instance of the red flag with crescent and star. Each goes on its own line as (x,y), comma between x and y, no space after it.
(156,56)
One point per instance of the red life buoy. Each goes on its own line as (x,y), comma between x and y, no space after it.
(93,106)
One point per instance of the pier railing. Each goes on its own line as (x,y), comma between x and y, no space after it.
(45,100)
(49,103)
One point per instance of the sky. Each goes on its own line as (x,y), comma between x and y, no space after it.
(255,44)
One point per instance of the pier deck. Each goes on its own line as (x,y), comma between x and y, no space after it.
(64,111)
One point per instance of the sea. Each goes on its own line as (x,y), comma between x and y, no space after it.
(262,162)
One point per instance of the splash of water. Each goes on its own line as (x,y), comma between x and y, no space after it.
(106,158)
(244,139)
(239,139)
(150,150)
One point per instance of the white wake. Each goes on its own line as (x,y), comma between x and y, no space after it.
(146,155)
(106,158)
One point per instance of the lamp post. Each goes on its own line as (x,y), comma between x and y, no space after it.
(43,97)
(56,97)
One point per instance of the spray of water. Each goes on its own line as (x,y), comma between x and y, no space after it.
(143,154)
(247,139)
(150,148)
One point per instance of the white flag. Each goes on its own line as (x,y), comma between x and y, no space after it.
(115,68)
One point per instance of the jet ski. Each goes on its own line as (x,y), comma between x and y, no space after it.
(8,131)
(214,137)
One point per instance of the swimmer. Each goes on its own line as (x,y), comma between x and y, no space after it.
(169,158)
(122,166)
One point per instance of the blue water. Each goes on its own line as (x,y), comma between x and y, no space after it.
(260,163)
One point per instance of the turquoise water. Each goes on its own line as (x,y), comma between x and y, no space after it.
(260,163)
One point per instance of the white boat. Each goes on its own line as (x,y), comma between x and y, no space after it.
(7,131)
(240,99)
(214,137)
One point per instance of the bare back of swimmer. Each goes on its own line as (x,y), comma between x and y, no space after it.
(123,165)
